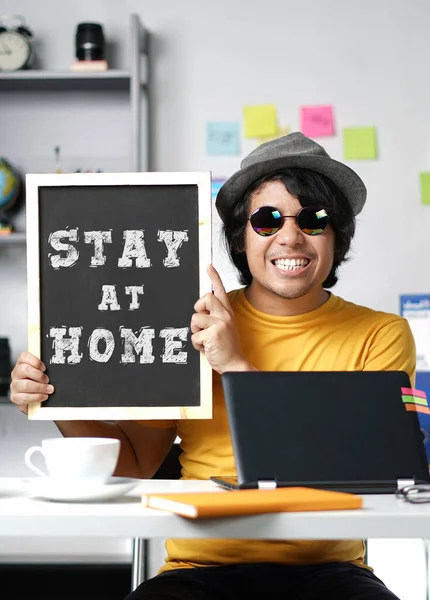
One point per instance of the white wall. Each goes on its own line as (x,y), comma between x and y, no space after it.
(369,59)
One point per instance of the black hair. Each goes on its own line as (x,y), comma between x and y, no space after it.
(309,188)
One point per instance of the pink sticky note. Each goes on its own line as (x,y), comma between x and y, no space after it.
(317,121)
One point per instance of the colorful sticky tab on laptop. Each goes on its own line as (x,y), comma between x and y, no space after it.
(415,400)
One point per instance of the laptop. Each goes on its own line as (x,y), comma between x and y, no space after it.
(355,432)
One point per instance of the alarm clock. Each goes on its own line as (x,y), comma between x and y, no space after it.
(15,45)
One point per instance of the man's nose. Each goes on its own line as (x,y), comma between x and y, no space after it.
(290,233)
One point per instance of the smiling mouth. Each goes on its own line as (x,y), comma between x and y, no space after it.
(294,264)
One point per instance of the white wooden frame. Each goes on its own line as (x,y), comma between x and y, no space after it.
(202,180)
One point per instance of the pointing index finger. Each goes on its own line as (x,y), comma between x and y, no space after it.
(218,286)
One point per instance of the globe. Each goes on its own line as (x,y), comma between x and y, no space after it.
(10,186)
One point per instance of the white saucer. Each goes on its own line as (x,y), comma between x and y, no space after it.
(49,489)
(13,486)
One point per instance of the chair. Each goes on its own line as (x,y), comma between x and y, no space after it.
(170,469)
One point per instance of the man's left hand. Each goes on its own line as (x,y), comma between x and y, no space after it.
(214,330)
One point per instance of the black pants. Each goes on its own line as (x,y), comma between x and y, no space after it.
(333,581)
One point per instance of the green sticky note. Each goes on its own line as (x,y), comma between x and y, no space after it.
(359,143)
(260,121)
(425,188)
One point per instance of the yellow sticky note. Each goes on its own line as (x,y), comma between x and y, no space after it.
(267,138)
(359,143)
(260,120)
(425,188)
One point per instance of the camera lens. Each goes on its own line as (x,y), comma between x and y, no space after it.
(90,44)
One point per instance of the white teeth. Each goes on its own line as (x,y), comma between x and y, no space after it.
(295,264)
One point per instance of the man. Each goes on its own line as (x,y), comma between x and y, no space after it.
(289,218)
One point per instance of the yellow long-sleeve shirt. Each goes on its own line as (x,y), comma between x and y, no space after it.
(337,336)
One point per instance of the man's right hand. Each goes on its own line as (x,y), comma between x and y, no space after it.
(29,382)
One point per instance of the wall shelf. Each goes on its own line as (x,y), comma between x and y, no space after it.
(134,81)
(113,79)
(13,239)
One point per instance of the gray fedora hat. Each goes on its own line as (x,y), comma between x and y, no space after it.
(292,150)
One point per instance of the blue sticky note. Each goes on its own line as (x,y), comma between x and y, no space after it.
(223,138)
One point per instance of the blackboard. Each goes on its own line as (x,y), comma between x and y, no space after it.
(116,263)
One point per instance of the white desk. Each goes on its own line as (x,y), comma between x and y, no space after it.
(383,516)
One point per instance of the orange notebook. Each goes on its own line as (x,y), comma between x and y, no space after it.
(197,505)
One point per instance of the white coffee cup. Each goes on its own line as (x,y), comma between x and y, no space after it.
(90,459)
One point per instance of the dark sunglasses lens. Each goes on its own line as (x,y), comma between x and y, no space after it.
(266,220)
(312,220)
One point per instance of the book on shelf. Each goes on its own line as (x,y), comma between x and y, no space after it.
(197,505)
(89,66)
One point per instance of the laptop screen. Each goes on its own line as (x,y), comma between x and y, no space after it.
(315,427)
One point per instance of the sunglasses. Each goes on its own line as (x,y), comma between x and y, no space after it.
(267,220)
